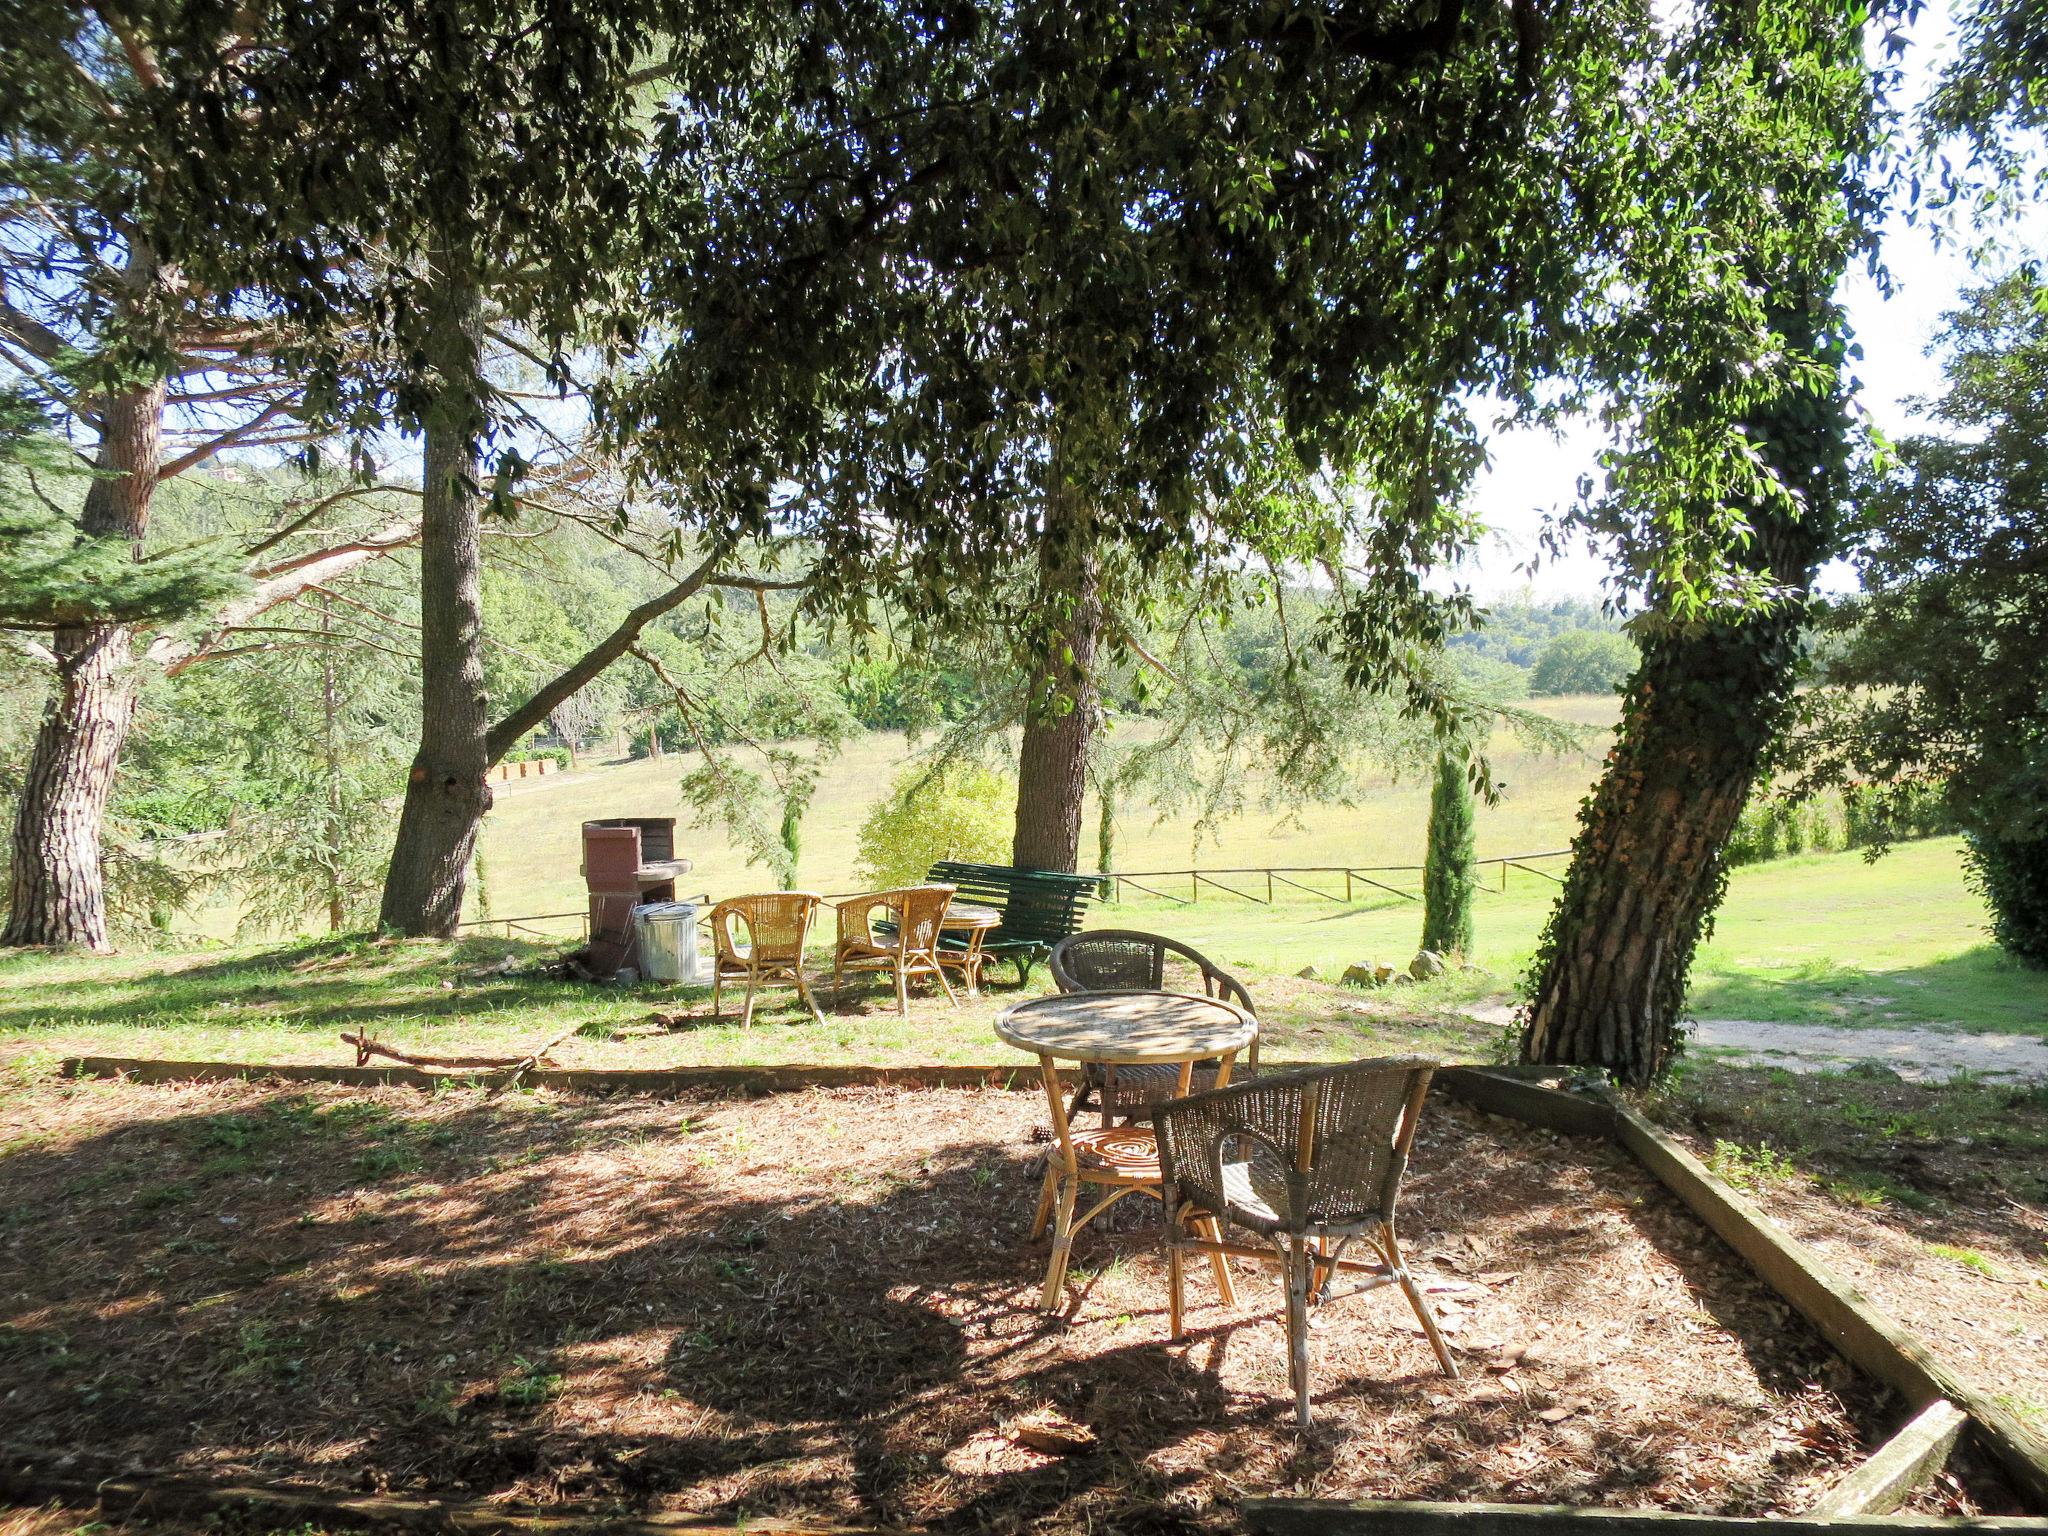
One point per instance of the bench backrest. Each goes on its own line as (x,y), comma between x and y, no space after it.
(1039,906)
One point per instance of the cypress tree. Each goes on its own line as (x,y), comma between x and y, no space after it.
(1447,875)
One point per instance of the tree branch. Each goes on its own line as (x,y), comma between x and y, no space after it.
(226,440)
(279,584)
(508,732)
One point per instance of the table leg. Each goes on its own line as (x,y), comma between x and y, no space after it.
(1219,1263)
(1066,1184)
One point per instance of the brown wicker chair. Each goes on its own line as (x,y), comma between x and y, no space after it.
(1120,959)
(906,945)
(1308,1160)
(777,923)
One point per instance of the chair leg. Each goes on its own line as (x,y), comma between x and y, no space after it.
(803,988)
(1299,1268)
(747,1011)
(1219,1263)
(1419,1302)
(902,988)
(939,971)
(717,986)
(1062,1242)
(1046,1192)
(1176,1274)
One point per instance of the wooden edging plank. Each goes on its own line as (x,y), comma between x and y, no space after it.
(644,1080)
(1526,1097)
(274,1507)
(1899,1466)
(1337,1517)
(1844,1316)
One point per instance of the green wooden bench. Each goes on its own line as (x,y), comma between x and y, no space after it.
(1039,906)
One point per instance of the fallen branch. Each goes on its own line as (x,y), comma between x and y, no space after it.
(367,1047)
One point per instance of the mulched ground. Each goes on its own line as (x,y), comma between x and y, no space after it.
(821,1304)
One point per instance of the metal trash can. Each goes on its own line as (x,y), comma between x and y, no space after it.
(667,934)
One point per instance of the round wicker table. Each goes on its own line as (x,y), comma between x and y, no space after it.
(1118,1028)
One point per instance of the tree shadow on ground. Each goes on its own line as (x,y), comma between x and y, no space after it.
(817,1304)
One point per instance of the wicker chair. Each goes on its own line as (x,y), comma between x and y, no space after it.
(1308,1160)
(777,924)
(1117,959)
(905,945)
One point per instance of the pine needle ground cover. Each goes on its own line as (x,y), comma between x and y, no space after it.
(820,1304)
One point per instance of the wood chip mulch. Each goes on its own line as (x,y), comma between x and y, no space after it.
(821,1304)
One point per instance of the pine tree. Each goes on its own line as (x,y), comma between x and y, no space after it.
(1448,879)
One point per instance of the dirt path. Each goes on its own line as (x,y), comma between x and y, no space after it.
(1918,1055)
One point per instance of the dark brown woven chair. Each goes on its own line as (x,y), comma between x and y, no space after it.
(1123,959)
(1309,1161)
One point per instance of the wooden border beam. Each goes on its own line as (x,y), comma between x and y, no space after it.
(1369,1517)
(1899,1467)
(275,1507)
(1846,1319)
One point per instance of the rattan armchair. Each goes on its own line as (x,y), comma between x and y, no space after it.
(905,945)
(1309,1161)
(777,923)
(1123,959)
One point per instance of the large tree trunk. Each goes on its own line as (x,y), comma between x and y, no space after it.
(57,893)
(446,794)
(1061,714)
(1647,869)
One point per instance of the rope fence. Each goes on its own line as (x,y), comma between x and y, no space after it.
(1240,882)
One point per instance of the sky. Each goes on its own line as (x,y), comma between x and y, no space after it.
(1532,473)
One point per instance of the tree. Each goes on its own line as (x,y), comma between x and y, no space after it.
(1784,92)
(160,373)
(1448,874)
(1583,661)
(1934,672)
(475,201)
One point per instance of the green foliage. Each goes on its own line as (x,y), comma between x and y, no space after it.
(790,716)
(1933,674)
(2012,874)
(1777,826)
(950,810)
(1584,661)
(1517,630)
(53,573)
(1448,876)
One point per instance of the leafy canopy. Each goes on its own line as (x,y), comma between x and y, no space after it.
(925,268)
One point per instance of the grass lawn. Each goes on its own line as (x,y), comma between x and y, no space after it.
(1824,939)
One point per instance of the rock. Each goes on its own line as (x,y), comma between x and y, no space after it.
(1309,973)
(1362,975)
(1403,979)
(1383,973)
(1427,963)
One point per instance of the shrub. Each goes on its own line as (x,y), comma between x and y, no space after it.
(954,811)
(1860,816)
(2012,874)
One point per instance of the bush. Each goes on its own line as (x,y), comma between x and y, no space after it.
(957,811)
(1861,816)
(2012,874)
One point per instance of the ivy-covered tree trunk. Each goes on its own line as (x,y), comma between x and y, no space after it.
(1447,875)
(57,891)
(1060,714)
(446,792)
(1698,716)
